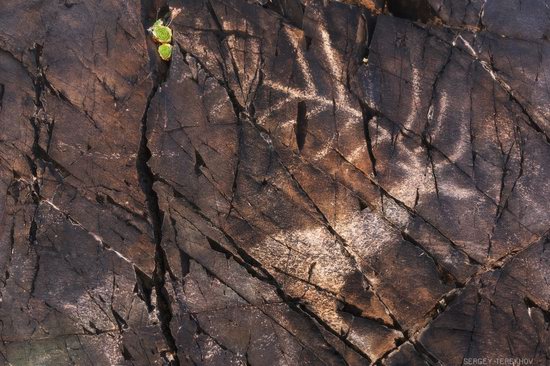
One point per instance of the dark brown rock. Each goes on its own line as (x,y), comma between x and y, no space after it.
(304,182)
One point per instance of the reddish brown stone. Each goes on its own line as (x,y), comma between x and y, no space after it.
(303,183)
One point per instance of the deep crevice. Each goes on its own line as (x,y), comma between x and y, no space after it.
(2,89)
(358,312)
(126,354)
(214,245)
(156,216)
(415,10)
(147,179)
(121,322)
(368,115)
(144,288)
(36,121)
(301,125)
(185,264)
(308,42)
(199,163)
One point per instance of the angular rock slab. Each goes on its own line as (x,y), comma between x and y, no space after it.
(303,183)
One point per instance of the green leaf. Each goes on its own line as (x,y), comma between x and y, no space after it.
(165,51)
(162,34)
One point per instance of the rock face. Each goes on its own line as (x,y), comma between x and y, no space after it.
(304,183)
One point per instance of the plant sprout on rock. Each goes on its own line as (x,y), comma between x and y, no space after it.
(165,51)
(163,35)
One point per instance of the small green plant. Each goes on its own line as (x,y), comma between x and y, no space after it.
(165,51)
(162,34)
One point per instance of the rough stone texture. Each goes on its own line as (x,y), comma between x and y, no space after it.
(304,183)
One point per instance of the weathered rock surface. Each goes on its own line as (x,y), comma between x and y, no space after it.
(304,183)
